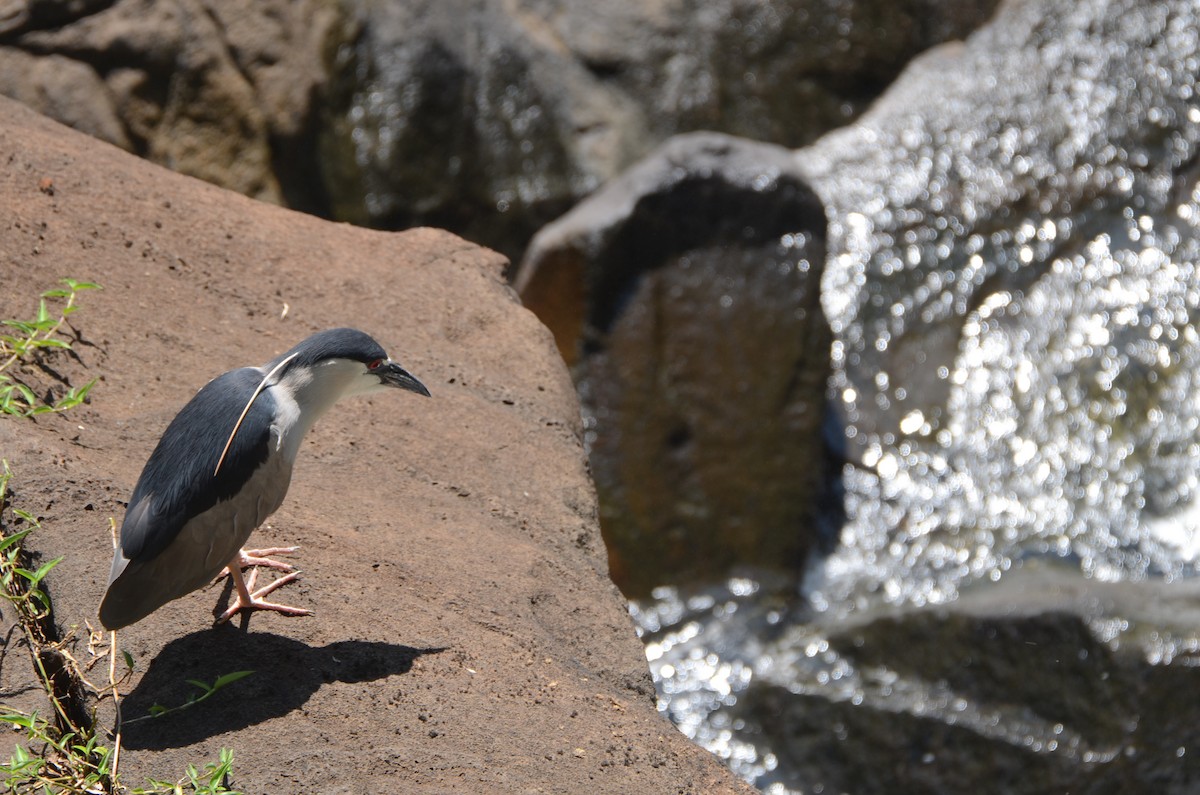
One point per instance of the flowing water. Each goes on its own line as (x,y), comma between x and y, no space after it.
(1012,285)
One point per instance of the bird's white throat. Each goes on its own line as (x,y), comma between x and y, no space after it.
(303,394)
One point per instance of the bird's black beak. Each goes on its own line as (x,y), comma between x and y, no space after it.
(392,374)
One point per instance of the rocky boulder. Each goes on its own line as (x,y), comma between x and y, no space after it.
(492,118)
(686,293)
(222,91)
(1012,286)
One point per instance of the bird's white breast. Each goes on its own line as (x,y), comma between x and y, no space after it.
(289,427)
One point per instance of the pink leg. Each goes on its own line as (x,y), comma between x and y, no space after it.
(247,600)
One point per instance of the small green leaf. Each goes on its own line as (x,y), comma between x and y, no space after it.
(230,678)
(27,393)
(15,538)
(18,719)
(45,568)
(78,286)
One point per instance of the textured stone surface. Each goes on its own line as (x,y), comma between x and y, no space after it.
(492,118)
(486,117)
(223,91)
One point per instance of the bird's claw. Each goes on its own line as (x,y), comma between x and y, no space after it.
(248,599)
(260,557)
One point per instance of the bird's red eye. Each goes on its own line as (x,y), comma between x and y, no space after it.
(373,365)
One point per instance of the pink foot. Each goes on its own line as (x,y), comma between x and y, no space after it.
(247,600)
(258,557)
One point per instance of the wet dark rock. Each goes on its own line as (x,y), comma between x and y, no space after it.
(464,115)
(982,167)
(782,73)
(701,355)
(952,703)
(1012,285)
(1045,682)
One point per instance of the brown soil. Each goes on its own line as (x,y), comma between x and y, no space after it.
(466,636)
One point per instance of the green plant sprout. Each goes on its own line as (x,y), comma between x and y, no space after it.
(210,781)
(30,336)
(63,755)
(66,757)
(205,690)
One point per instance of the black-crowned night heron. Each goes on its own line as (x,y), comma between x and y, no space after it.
(223,466)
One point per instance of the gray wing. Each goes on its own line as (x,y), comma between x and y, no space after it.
(177,482)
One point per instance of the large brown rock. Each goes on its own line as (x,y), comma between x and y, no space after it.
(466,636)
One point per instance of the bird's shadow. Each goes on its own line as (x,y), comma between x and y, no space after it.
(286,673)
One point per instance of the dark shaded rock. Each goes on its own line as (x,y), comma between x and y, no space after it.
(484,117)
(493,118)
(946,703)
(783,73)
(470,116)
(701,355)
(20,16)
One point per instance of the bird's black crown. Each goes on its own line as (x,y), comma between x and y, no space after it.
(334,343)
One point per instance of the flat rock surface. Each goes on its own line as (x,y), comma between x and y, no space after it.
(466,636)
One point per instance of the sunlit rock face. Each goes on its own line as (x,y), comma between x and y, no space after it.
(1011,285)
